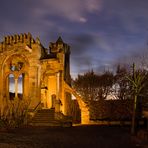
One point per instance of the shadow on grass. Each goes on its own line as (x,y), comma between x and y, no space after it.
(77,136)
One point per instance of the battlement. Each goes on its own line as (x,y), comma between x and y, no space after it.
(18,39)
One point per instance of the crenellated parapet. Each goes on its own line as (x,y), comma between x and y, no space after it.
(9,41)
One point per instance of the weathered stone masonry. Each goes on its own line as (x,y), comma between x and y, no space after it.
(44,72)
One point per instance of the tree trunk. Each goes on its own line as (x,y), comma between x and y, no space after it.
(133,126)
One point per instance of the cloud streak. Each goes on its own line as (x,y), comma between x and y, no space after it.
(72,10)
(100,32)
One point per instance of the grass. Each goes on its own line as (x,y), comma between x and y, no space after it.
(73,137)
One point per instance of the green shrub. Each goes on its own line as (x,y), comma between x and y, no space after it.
(111,110)
(14,113)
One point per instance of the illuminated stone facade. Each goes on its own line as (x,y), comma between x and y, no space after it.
(42,71)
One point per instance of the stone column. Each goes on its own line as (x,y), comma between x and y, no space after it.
(26,90)
(85,116)
(34,88)
(61,91)
(57,106)
(64,103)
(57,85)
(16,87)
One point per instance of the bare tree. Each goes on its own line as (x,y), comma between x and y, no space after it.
(137,81)
(94,87)
(121,83)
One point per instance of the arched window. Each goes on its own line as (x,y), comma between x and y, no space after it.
(16,86)
(16,82)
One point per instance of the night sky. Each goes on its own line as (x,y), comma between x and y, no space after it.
(101,33)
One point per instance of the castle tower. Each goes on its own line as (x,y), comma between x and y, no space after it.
(56,71)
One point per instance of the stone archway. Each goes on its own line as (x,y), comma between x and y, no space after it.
(85,114)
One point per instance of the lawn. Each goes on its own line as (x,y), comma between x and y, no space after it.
(72,137)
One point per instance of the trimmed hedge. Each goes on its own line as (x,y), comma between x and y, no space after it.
(113,110)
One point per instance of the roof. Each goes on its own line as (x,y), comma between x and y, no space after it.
(59,40)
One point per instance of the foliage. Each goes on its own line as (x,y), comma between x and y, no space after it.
(75,112)
(14,113)
(121,88)
(144,88)
(137,84)
(111,110)
(94,87)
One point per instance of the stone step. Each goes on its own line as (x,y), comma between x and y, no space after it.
(45,114)
(52,123)
(46,111)
(45,117)
(42,121)
(46,123)
(40,116)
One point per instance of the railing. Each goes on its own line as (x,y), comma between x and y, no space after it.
(36,106)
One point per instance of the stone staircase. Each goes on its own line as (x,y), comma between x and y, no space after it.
(46,117)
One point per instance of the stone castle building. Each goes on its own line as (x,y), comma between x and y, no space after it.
(42,70)
(42,74)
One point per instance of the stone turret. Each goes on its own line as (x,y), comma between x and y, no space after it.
(61,48)
(59,41)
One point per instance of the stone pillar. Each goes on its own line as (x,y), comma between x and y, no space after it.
(61,92)
(34,88)
(44,97)
(16,87)
(26,90)
(85,116)
(57,106)
(1,88)
(57,85)
(53,101)
(51,89)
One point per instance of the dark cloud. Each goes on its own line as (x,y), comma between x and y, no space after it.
(81,44)
(100,32)
(16,10)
